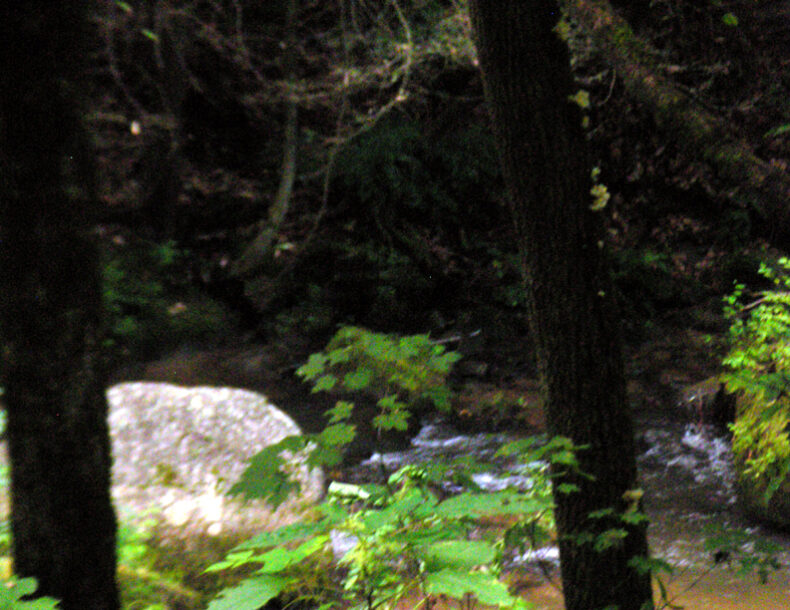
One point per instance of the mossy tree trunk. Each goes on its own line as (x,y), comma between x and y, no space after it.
(573,314)
(63,523)
(759,184)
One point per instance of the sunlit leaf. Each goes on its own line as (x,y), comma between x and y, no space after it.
(325,383)
(458,554)
(485,587)
(315,365)
(251,594)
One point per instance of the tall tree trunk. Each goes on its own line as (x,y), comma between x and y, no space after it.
(572,311)
(63,523)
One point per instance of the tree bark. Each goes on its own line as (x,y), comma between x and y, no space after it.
(63,523)
(573,314)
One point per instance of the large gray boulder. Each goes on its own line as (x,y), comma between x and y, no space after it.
(177,450)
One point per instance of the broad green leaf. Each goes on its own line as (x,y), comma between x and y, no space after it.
(458,555)
(339,356)
(337,434)
(610,538)
(233,560)
(390,403)
(280,558)
(251,594)
(325,455)
(506,502)
(340,412)
(264,477)
(315,365)
(325,383)
(285,534)
(409,346)
(358,379)
(394,420)
(485,587)
(414,504)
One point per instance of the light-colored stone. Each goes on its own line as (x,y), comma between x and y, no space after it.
(178,450)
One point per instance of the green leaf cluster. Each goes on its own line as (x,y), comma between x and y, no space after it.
(405,538)
(758,368)
(271,473)
(399,371)
(267,475)
(404,541)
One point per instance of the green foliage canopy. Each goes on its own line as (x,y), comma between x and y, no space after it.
(758,367)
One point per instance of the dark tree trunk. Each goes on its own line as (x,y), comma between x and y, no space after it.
(63,523)
(572,311)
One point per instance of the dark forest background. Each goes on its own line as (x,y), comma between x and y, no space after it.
(267,175)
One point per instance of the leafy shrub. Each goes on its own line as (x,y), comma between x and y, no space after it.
(375,545)
(399,371)
(758,367)
(402,541)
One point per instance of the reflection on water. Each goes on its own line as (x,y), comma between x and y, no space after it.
(689,493)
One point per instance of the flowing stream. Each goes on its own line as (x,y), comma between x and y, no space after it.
(686,473)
